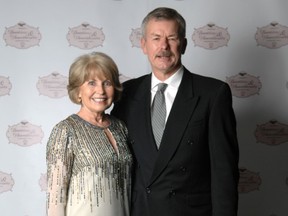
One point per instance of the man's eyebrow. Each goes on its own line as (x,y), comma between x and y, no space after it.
(159,35)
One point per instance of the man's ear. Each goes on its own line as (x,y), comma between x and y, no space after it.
(143,45)
(183,46)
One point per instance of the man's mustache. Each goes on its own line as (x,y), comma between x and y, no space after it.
(164,54)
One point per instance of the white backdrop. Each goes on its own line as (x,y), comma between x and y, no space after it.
(244,43)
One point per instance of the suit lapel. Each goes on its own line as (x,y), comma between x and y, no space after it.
(179,117)
(140,128)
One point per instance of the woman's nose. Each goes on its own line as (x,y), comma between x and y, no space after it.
(99,89)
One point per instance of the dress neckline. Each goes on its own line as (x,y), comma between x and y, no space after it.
(93,125)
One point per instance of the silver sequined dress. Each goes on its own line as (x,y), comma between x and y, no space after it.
(86,176)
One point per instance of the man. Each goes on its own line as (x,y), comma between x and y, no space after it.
(194,171)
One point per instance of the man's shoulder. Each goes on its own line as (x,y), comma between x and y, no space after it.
(201,81)
(134,82)
(208,79)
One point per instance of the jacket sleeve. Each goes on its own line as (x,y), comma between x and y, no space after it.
(224,154)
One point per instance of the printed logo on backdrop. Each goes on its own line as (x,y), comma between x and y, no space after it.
(43,182)
(248,181)
(6,182)
(53,85)
(24,134)
(22,36)
(272,133)
(244,85)
(135,37)
(211,37)
(272,36)
(5,86)
(85,36)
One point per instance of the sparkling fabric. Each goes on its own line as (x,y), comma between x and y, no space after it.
(86,176)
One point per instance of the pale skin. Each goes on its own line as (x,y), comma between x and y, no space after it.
(96,96)
(163,47)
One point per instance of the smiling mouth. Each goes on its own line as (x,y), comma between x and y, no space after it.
(163,57)
(99,99)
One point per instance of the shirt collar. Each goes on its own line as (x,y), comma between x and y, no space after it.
(173,81)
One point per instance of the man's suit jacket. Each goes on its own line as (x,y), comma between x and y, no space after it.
(195,170)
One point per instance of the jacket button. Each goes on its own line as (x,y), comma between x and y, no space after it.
(190,142)
(148,190)
(183,169)
(172,193)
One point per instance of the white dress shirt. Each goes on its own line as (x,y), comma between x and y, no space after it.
(173,83)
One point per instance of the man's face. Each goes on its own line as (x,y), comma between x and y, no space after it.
(163,47)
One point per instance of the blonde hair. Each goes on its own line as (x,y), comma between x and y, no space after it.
(86,66)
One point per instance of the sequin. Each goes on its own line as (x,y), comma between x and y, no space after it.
(86,176)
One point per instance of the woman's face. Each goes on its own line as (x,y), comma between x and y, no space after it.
(97,94)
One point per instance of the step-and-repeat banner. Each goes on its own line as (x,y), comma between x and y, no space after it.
(244,43)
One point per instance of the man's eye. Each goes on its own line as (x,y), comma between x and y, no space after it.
(172,38)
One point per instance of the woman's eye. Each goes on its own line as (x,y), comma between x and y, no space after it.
(107,83)
(91,82)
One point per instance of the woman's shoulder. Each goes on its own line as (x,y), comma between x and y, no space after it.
(66,123)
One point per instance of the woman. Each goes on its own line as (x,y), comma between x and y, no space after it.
(88,159)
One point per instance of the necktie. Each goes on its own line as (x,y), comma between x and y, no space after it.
(158,113)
